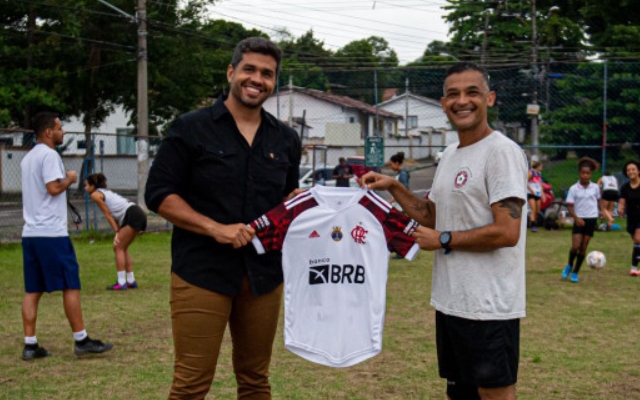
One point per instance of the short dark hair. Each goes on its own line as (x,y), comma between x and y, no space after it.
(464,66)
(43,121)
(256,44)
(98,180)
(398,157)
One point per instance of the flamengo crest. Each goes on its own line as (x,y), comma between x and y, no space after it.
(358,234)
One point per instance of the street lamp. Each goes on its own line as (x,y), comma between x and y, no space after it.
(142,144)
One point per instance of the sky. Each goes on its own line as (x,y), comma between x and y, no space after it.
(407,25)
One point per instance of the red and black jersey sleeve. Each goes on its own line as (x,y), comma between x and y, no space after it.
(397,226)
(271,228)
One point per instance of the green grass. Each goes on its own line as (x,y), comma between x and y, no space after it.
(579,341)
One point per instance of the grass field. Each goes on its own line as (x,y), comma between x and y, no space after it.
(579,341)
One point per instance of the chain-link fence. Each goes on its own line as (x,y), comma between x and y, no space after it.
(556,112)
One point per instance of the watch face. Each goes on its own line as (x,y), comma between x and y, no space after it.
(445,238)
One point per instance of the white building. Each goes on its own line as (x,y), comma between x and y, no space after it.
(321,109)
(419,113)
(112,137)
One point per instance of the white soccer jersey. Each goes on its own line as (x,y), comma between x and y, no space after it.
(335,245)
(584,200)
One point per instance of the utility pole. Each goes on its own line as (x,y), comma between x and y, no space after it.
(406,117)
(534,70)
(375,88)
(142,145)
(290,101)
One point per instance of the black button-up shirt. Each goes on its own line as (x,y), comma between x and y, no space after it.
(205,160)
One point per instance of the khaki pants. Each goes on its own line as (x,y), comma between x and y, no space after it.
(199,318)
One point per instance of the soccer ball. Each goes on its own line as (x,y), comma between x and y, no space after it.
(596,259)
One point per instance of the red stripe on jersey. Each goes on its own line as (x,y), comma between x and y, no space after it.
(272,227)
(397,226)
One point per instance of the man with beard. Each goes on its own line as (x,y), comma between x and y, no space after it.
(220,168)
(49,259)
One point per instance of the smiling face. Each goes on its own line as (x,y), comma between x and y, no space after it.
(252,80)
(632,172)
(466,100)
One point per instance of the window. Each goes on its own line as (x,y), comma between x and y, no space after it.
(352,120)
(81,144)
(412,121)
(126,142)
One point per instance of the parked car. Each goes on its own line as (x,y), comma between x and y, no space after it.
(438,156)
(321,176)
(359,169)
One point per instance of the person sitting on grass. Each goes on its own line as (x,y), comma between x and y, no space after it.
(126,219)
(583,201)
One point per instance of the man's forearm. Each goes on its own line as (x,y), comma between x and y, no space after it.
(420,210)
(177,211)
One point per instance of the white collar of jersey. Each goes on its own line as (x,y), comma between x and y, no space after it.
(345,196)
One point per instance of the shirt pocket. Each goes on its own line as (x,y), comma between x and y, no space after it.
(216,165)
(272,167)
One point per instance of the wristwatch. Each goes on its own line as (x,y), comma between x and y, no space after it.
(445,240)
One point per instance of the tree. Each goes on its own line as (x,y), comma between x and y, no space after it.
(359,63)
(304,59)
(29,73)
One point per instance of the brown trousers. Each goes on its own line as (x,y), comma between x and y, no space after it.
(199,318)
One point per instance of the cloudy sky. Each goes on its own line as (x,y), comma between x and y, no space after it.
(408,25)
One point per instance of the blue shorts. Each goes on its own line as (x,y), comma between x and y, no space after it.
(476,353)
(49,264)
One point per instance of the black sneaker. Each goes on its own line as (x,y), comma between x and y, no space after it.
(89,345)
(32,351)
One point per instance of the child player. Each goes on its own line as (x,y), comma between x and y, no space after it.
(583,202)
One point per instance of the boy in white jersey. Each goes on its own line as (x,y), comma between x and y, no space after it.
(478,238)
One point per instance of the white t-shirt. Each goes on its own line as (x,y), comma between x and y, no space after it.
(335,246)
(479,285)
(609,182)
(584,200)
(44,215)
(116,204)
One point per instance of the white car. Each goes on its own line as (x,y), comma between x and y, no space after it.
(438,155)
(323,176)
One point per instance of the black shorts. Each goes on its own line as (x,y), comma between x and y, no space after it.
(588,228)
(532,196)
(135,218)
(610,195)
(478,353)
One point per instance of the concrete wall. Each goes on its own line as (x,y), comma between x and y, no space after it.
(121,171)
